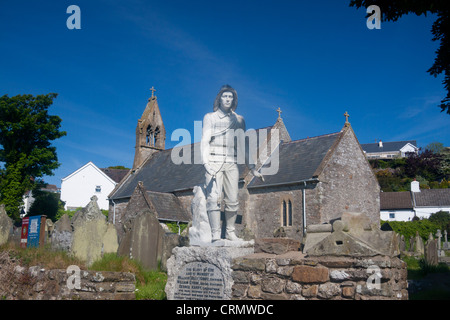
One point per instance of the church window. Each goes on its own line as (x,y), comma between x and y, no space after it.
(286,213)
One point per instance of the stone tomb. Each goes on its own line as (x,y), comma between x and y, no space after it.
(202,273)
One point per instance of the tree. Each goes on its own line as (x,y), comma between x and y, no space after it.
(45,203)
(392,10)
(26,132)
(425,164)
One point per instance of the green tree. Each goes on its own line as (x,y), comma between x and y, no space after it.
(26,132)
(392,10)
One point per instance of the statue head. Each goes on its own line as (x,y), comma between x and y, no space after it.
(226,89)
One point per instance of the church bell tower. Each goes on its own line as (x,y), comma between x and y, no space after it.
(150,132)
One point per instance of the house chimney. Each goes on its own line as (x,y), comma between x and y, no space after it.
(415,186)
(380,144)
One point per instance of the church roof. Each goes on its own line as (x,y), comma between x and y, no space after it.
(299,160)
(168,207)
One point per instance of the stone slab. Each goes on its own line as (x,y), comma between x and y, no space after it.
(202,273)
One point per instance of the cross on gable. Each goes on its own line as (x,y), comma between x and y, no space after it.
(279,112)
(346,115)
(153,91)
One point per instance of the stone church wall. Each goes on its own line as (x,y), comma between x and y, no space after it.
(347,184)
(265,208)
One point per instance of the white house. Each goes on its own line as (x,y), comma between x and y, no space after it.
(421,203)
(389,150)
(78,187)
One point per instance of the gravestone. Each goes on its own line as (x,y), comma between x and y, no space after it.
(431,251)
(6,225)
(93,236)
(143,239)
(201,273)
(446,246)
(418,244)
(61,238)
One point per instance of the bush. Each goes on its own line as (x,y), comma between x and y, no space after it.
(409,228)
(150,284)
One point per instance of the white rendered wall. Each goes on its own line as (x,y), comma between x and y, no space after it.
(78,188)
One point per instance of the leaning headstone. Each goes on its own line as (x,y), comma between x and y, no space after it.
(61,238)
(93,236)
(418,244)
(201,273)
(6,225)
(431,251)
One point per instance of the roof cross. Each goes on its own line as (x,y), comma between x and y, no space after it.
(346,115)
(279,113)
(153,91)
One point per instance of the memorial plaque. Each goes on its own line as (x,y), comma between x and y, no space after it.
(199,281)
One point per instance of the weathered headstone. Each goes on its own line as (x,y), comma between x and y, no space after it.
(446,246)
(92,235)
(62,234)
(431,251)
(6,225)
(143,239)
(418,244)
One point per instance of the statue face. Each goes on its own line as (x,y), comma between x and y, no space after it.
(226,100)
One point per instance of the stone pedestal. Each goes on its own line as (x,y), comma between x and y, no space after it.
(202,273)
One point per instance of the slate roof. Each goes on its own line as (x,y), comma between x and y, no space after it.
(116,174)
(168,206)
(387,146)
(395,200)
(432,198)
(299,160)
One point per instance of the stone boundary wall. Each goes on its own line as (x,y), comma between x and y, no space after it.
(35,283)
(293,276)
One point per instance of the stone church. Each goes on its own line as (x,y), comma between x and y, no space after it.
(318,179)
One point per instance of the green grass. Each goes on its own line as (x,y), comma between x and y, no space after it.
(150,284)
(418,269)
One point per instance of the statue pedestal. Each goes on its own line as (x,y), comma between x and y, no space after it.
(203,273)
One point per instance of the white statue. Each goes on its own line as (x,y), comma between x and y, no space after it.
(220,155)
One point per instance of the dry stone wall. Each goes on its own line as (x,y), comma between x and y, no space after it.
(293,276)
(35,283)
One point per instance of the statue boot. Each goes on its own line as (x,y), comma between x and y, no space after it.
(230,217)
(214,222)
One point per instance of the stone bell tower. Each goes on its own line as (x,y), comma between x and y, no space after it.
(150,132)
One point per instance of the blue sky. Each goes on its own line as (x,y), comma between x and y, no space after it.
(313,59)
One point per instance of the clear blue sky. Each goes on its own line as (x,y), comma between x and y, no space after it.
(313,59)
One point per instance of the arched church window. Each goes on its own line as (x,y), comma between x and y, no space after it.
(286,213)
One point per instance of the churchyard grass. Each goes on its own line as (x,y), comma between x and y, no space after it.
(42,256)
(150,284)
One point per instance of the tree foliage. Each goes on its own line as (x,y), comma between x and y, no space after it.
(26,133)
(392,10)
